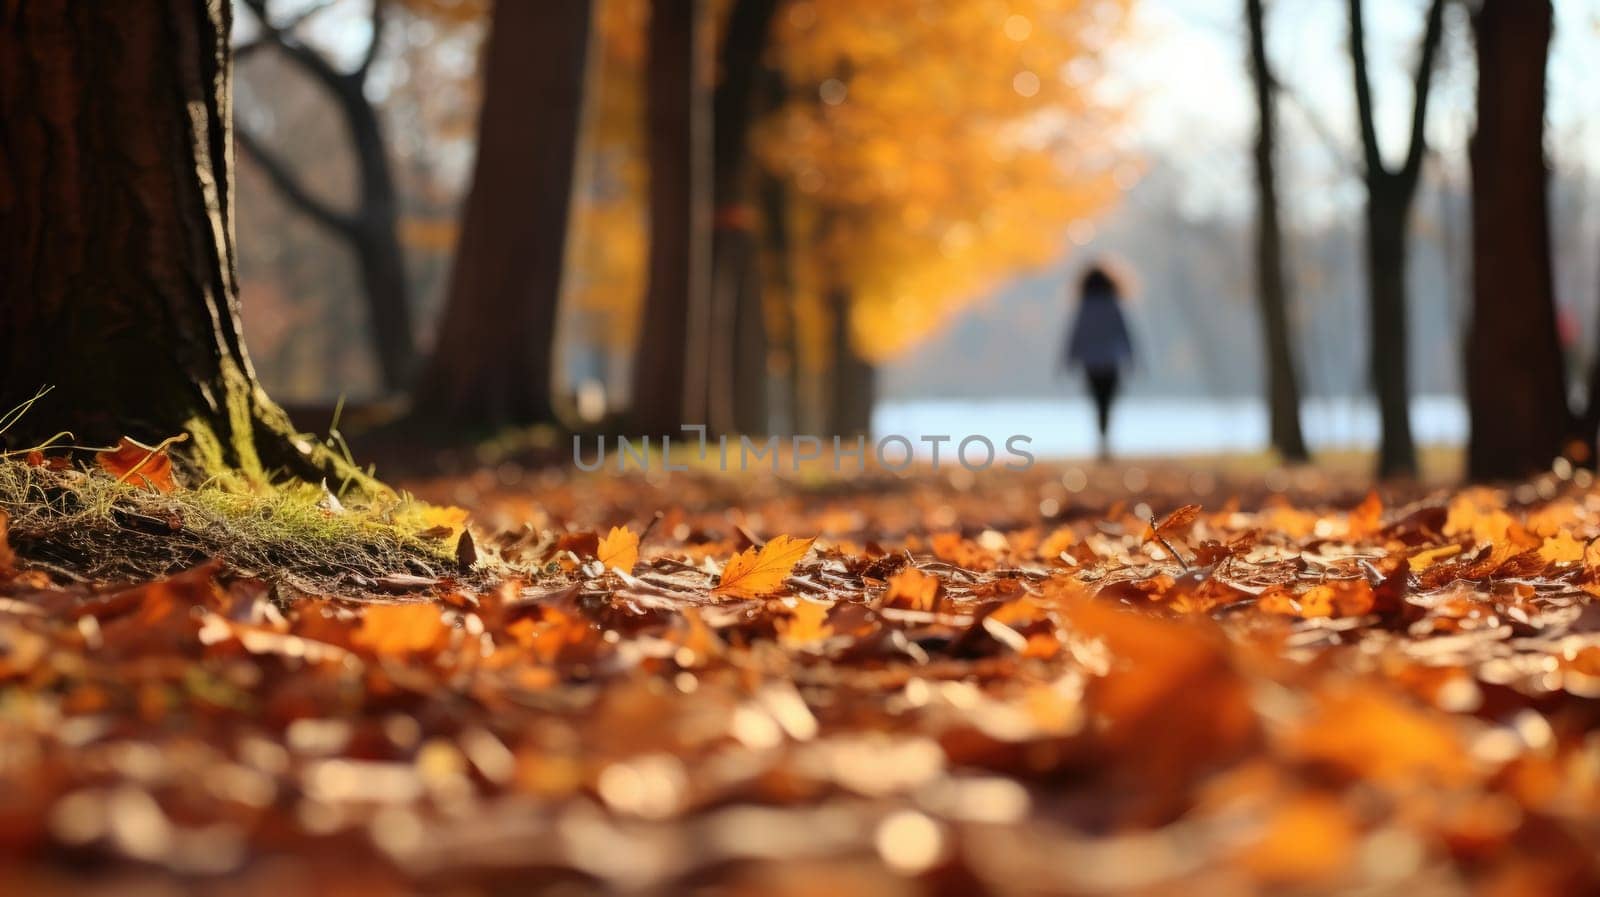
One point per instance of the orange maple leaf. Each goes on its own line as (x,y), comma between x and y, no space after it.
(145,466)
(753,573)
(619,549)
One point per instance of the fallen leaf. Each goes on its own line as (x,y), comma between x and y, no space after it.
(752,573)
(401,628)
(145,466)
(913,589)
(1173,524)
(807,623)
(619,549)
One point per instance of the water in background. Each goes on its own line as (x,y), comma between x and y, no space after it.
(1064,428)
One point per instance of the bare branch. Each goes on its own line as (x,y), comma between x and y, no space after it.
(287,184)
(1319,127)
(1358,58)
(376,44)
(1431,38)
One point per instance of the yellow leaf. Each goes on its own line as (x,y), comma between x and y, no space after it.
(807,623)
(1422,560)
(911,588)
(1561,549)
(753,573)
(619,549)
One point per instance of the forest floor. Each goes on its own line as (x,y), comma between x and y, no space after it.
(1148,678)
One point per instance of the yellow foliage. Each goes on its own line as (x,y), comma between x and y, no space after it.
(754,573)
(943,146)
(619,549)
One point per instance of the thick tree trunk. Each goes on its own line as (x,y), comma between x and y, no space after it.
(738,381)
(1388,211)
(854,380)
(670,370)
(1516,388)
(491,368)
(116,235)
(1272,288)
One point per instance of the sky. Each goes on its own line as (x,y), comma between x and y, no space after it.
(1183,70)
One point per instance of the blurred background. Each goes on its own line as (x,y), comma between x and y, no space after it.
(830,216)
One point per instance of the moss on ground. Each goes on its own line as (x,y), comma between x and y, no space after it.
(83,523)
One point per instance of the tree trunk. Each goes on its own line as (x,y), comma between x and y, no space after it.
(491,368)
(1388,210)
(116,236)
(377,244)
(670,372)
(779,273)
(738,381)
(1272,289)
(854,380)
(1516,387)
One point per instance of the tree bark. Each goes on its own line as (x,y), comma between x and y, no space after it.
(492,365)
(1516,388)
(779,273)
(1388,212)
(116,236)
(1272,287)
(670,367)
(738,381)
(854,380)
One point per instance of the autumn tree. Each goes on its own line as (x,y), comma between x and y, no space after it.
(930,152)
(738,377)
(670,371)
(1272,285)
(116,242)
(1389,195)
(370,229)
(1516,387)
(492,364)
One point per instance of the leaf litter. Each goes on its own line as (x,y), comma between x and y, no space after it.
(1023,685)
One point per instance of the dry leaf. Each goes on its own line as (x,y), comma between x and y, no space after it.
(1174,524)
(913,589)
(752,573)
(401,628)
(807,623)
(145,466)
(619,549)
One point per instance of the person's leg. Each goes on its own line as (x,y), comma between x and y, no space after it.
(1103,387)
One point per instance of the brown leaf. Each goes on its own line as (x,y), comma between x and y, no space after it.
(144,466)
(752,573)
(1173,524)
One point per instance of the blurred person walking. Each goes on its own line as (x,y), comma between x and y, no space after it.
(1098,342)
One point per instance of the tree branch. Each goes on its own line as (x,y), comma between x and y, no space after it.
(1423,81)
(314,63)
(1358,58)
(376,44)
(1336,148)
(292,189)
